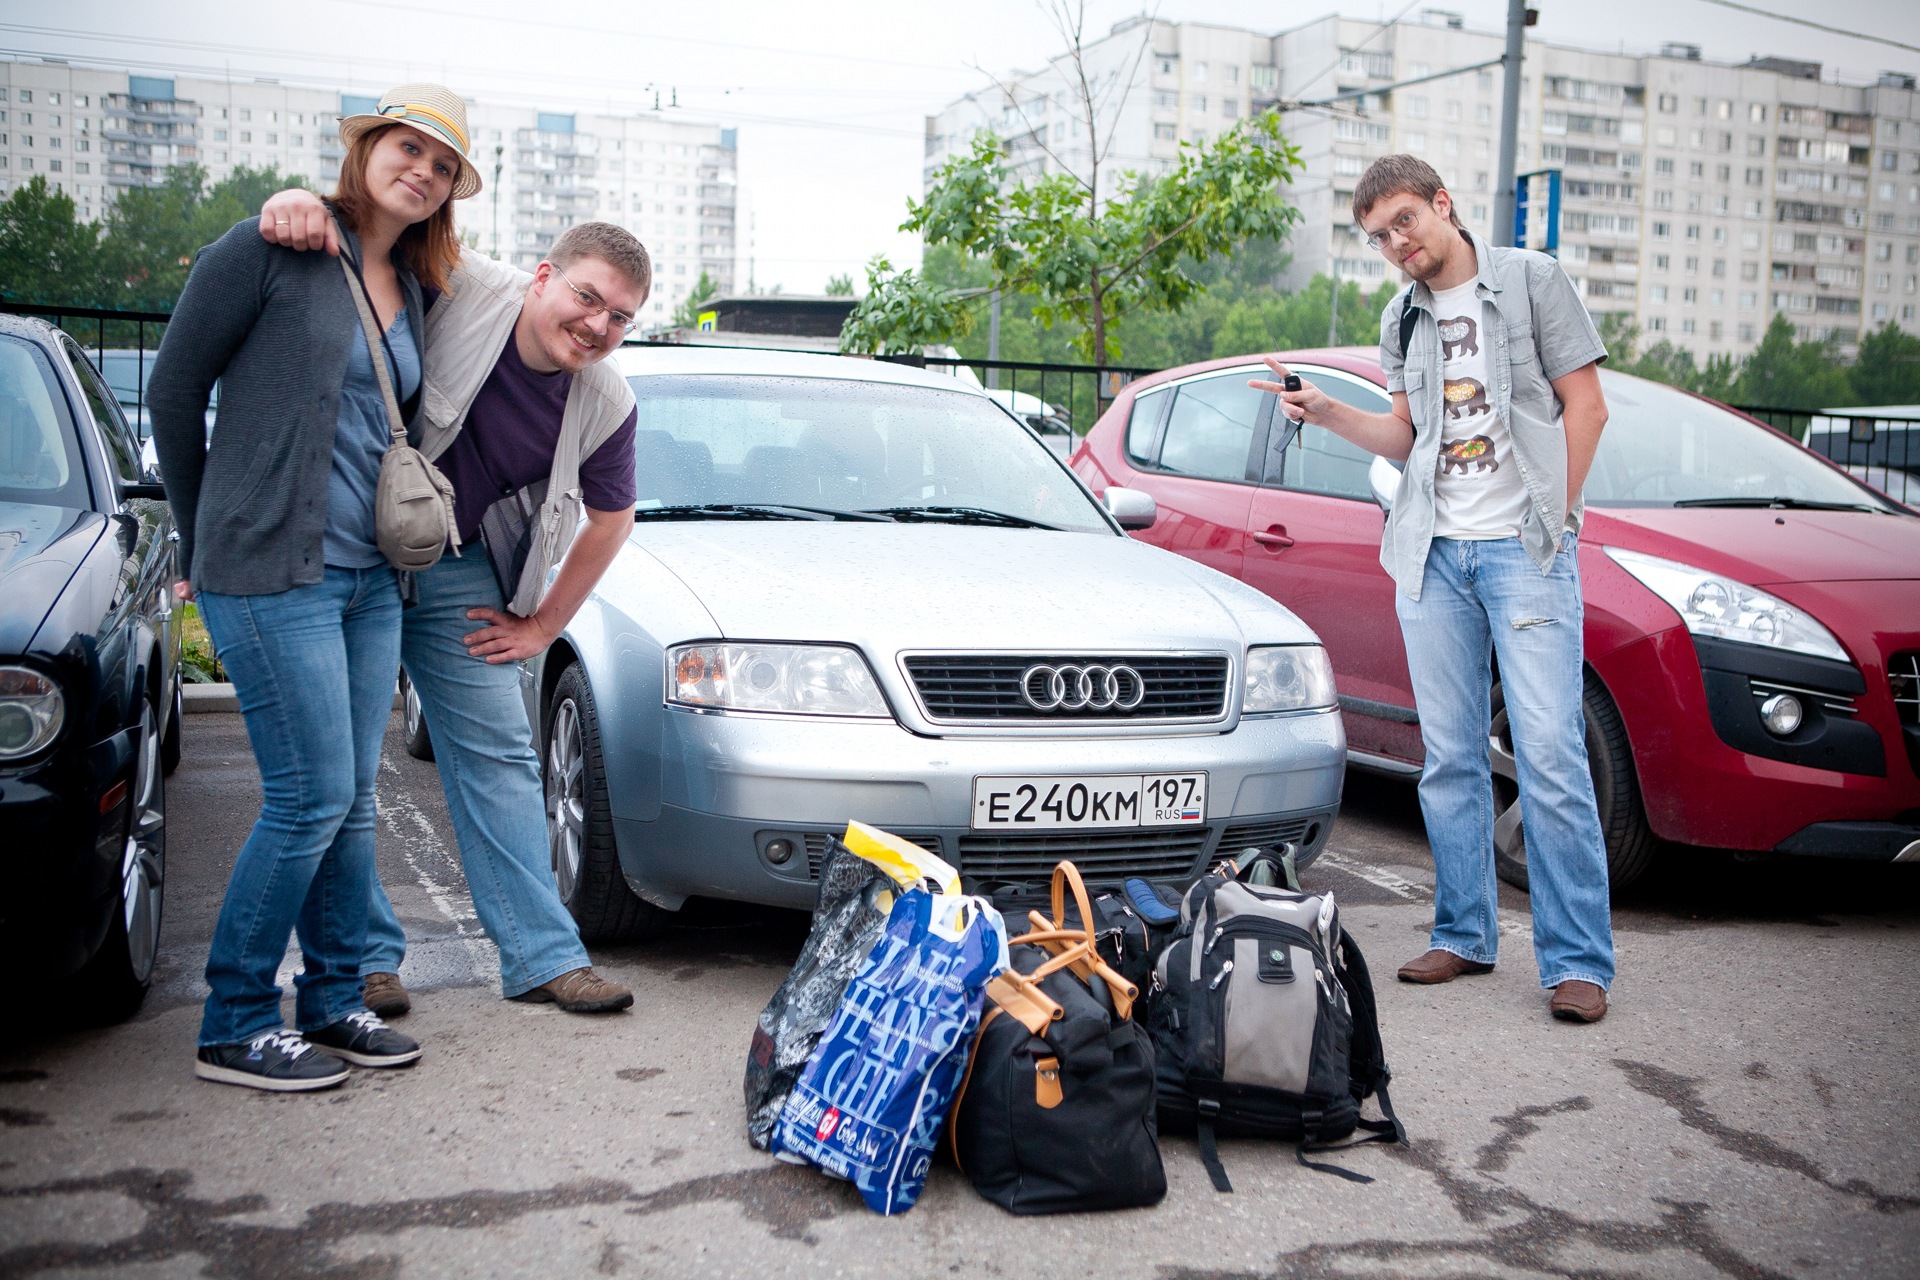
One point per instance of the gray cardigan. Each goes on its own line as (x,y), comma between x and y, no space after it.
(274,327)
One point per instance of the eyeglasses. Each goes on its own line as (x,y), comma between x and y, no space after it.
(593,306)
(1404,225)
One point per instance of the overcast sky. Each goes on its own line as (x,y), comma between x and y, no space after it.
(829,98)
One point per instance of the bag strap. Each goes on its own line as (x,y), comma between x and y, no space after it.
(1205,1109)
(1409,317)
(376,340)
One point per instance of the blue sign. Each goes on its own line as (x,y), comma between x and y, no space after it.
(1536,211)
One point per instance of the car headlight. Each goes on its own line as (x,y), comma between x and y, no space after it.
(32,709)
(801,679)
(1288,677)
(1727,609)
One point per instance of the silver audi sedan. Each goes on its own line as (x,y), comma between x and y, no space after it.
(860,590)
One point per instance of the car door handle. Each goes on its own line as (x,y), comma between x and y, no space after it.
(1274,536)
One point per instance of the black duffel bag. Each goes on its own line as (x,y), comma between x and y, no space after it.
(1057,1110)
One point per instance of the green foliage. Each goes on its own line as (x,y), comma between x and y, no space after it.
(840,286)
(137,258)
(687,314)
(1080,256)
(1888,370)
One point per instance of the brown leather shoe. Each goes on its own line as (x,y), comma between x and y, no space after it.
(1440,966)
(1577,1001)
(581,991)
(383,994)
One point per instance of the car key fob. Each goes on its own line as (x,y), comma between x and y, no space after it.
(1293,382)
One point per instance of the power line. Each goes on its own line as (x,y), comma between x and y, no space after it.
(1817,26)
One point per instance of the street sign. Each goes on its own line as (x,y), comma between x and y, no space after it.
(1536,211)
(709,321)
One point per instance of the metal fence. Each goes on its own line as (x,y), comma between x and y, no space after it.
(122,344)
(1882,450)
(1060,401)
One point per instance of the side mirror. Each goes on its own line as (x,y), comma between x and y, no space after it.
(1384,479)
(1132,508)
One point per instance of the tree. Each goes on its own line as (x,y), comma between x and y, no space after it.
(45,255)
(687,314)
(840,286)
(1784,374)
(1888,370)
(1088,250)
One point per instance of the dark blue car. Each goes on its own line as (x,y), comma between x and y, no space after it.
(89,680)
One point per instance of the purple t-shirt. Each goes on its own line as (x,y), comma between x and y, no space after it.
(508,443)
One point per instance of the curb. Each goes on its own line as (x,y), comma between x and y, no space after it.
(203,699)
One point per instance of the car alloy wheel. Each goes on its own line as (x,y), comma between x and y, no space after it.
(566,798)
(414,718)
(1630,842)
(586,860)
(143,861)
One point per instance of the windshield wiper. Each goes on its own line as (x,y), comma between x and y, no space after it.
(751,511)
(961,515)
(1793,504)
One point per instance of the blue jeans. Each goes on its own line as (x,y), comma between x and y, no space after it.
(314,669)
(1477,597)
(491,776)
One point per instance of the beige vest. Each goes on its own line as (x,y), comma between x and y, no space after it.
(466,330)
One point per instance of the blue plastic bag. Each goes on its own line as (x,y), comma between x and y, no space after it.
(871,1102)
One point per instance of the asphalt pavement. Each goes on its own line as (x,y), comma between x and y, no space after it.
(1748,1109)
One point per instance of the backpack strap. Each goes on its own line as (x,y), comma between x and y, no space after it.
(1205,1110)
(1367,1055)
(1409,317)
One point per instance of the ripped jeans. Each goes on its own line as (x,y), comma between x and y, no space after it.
(1478,600)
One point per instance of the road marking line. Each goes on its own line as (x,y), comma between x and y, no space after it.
(1378,877)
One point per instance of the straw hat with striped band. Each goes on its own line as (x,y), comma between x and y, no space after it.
(436,111)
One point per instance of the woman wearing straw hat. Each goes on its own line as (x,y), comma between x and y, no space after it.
(276,519)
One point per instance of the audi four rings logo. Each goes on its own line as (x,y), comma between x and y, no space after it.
(1076,687)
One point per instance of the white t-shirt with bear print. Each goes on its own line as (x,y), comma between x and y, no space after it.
(1478,493)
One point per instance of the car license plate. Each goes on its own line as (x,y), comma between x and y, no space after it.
(1130,800)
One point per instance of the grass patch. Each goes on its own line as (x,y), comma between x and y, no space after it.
(201,663)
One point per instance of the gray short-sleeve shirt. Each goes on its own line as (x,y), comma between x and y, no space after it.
(1542,332)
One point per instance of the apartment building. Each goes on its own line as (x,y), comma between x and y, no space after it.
(1698,198)
(95,132)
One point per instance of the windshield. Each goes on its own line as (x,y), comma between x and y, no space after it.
(1662,447)
(39,456)
(833,444)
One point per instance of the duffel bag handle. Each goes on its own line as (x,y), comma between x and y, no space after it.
(1074,948)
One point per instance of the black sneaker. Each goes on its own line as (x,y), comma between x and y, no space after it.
(365,1041)
(280,1061)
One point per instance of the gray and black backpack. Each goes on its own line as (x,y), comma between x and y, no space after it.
(1263,1024)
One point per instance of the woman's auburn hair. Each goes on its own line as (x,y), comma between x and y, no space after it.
(430,247)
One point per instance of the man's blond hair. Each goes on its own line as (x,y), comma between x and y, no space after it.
(615,246)
(1398,175)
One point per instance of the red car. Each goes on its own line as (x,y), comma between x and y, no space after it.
(1752,612)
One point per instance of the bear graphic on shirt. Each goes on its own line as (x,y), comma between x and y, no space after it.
(1459,337)
(1466,397)
(1456,455)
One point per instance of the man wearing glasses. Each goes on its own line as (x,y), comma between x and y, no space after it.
(1493,364)
(516,394)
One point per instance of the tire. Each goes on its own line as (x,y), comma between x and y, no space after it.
(114,983)
(586,865)
(1623,818)
(170,742)
(419,744)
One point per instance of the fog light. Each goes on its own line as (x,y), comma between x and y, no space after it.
(778,851)
(1781,714)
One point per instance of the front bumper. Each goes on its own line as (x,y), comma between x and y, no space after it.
(60,859)
(1867,841)
(732,784)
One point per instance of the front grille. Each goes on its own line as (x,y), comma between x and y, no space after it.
(1838,704)
(988,686)
(1903,675)
(1157,854)
(817,848)
(1267,834)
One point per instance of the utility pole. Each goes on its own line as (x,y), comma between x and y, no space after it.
(1518,20)
(993,338)
(1333,313)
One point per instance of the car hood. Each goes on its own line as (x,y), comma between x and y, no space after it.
(893,587)
(1767,546)
(40,548)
